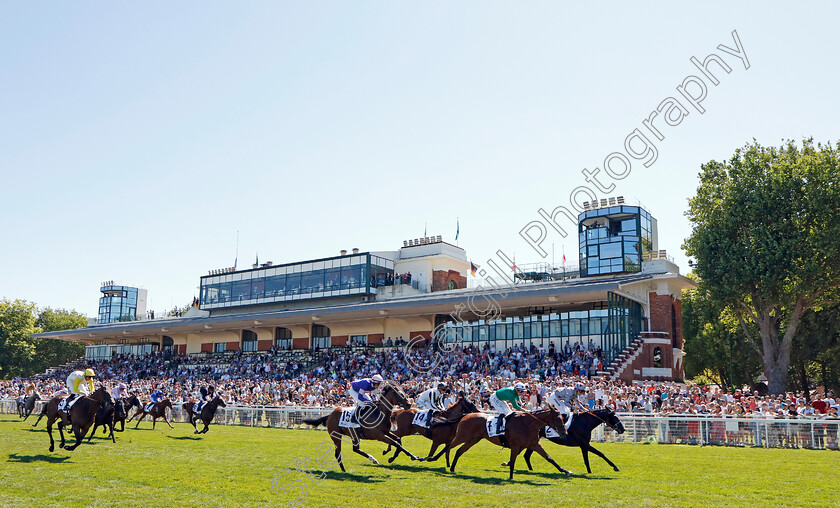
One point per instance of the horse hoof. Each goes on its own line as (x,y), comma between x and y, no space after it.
(616,469)
(390,460)
(376,462)
(52,448)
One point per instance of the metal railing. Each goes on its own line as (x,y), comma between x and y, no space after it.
(812,433)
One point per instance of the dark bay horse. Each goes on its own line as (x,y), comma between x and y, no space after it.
(522,432)
(580,434)
(375,421)
(105,418)
(25,405)
(121,408)
(158,410)
(440,432)
(82,415)
(207,413)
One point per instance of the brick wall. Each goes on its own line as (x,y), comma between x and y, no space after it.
(339,340)
(440,280)
(206,347)
(660,312)
(375,338)
(232,346)
(300,343)
(264,345)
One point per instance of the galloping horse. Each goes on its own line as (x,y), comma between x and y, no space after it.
(522,433)
(105,417)
(121,409)
(441,433)
(580,434)
(25,405)
(158,410)
(375,419)
(81,416)
(207,413)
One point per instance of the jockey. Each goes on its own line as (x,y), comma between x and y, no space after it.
(432,399)
(505,397)
(157,396)
(205,395)
(361,389)
(78,383)
(119,391)
(562,398)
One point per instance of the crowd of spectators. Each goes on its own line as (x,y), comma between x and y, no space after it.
(278,378)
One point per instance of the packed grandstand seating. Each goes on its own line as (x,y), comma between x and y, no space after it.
(319,379)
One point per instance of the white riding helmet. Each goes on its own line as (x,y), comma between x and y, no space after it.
(519,386)
(377,378)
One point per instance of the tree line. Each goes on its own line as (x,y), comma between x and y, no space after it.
(25,356)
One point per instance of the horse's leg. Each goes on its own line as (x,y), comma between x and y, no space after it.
(60,426)
(43,413)
(512,462)
(386,450)
(206,425)
(585,454)
(434,447)
(466,446)
(539,449)
(95,425)
(397,453)
(363,453)
(154,421)
(138,421)
(49,431)
(113,439)
(167,421)
(527,456)
(398,443)
(337,443)
(596,452)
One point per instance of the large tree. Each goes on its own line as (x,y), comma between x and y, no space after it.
(765,241)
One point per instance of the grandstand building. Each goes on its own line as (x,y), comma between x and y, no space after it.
(624,298)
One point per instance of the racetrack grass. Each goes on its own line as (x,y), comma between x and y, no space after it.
(235,466)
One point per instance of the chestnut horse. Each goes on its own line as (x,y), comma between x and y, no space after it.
(158,410)
(440,432)
(82,415)
(207,413)
(522,432)
(375,421)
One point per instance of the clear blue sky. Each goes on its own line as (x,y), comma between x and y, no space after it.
(136,139)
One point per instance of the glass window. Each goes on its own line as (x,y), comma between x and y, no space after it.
(611,250)
(517,330)
(574,327)
(332,279)
(241,290)
(293,284)
(312,282)
(219,347)
(358,340)
(258,288)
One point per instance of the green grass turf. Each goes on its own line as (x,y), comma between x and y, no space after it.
(235,466)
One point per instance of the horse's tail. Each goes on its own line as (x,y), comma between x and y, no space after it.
(317,421)
(43,414)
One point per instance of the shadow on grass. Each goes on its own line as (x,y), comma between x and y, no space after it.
(185,438)
(14,457)
(336,474)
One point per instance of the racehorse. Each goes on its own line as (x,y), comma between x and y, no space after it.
(25,405)
(375,420)
(105,417)
(158,410)
(207,413)
(121,409)
(580,434)
(522,432)
(441,433)
(81,416)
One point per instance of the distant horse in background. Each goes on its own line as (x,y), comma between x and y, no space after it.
(25,405)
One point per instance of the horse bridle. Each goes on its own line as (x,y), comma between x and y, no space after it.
(601,419)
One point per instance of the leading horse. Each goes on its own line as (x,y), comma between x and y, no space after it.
(522,432)
(580,434)
(375,420)
(82,415)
